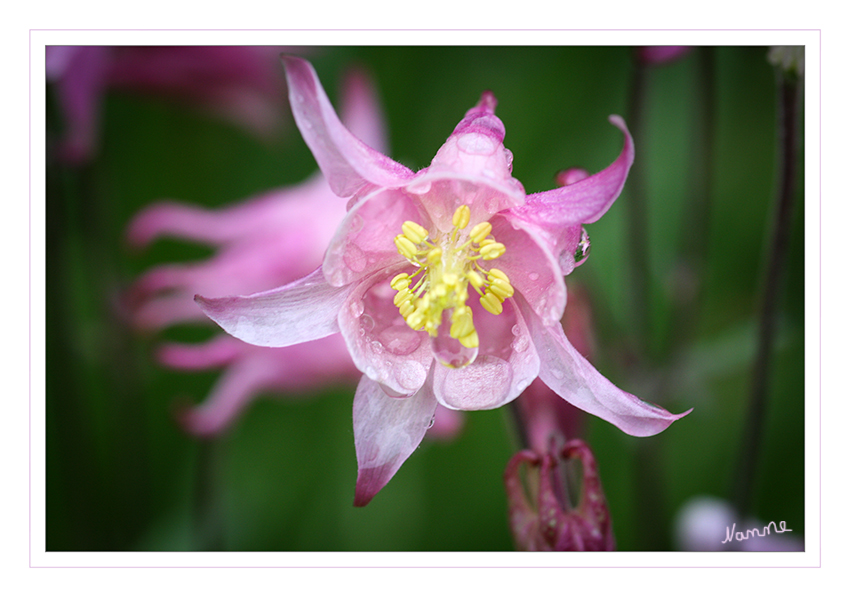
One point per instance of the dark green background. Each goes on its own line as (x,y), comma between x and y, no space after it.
(122,476)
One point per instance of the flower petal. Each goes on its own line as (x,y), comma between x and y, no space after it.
(386,431)
(364,242)
(569,374)
(506,364)
(236,388)
(381,344)
(529,264)
(585,201)
(349,165)
(304,310)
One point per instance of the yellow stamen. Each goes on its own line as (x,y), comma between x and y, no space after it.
(480,231)
(492,303)
(492,251)
(414,232)
(448,264)
(400,281)
(406,247)
(460,219)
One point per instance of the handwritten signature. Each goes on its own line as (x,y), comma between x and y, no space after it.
(754,532)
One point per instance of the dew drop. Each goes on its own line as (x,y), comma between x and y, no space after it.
(356,308)
(448,351)
(400,339)
(520,343)
(367,324)
(557,374)
(533,276)
(430,423)
(583,249)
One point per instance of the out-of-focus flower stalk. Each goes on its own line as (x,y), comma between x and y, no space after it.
(650,352)
(789,79)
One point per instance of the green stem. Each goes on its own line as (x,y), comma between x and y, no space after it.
(788,125)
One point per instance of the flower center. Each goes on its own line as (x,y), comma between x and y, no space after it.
(447,266)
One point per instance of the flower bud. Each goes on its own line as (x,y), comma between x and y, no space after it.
(543,519)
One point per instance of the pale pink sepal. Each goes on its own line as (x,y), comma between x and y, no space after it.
(349,165)
(585,201)
(578,382)
(304,310)
(386,431)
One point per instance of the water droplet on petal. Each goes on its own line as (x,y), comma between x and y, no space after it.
(431,422)
(533,276)
(366,323)
(520,343)
(557,374)
(356,308)
(583,249)
(400,339)
(449,351)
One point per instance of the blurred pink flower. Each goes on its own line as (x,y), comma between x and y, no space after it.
(661,54)
(242,84)
(265,241)
(417,341)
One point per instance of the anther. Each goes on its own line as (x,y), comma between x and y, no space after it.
(434,255)
(491,302)
(400,281)
(414,232)
(461,217)
(492,251)
(480,231)
(405,247)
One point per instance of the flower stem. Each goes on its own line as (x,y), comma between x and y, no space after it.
(209,534)
(788,126)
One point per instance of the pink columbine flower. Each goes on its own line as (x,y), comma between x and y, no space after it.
(446,284)
(241,84)
(264,241)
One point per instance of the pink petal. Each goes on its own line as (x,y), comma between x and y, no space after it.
(661,54)
(506,364)
(473,168)
(386,431)
(529,264)
(349,165)
(569,374)
(587,200)
(239,385)
(304,310)
(219,351)
(361,110)
(364,242)
(381,344)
